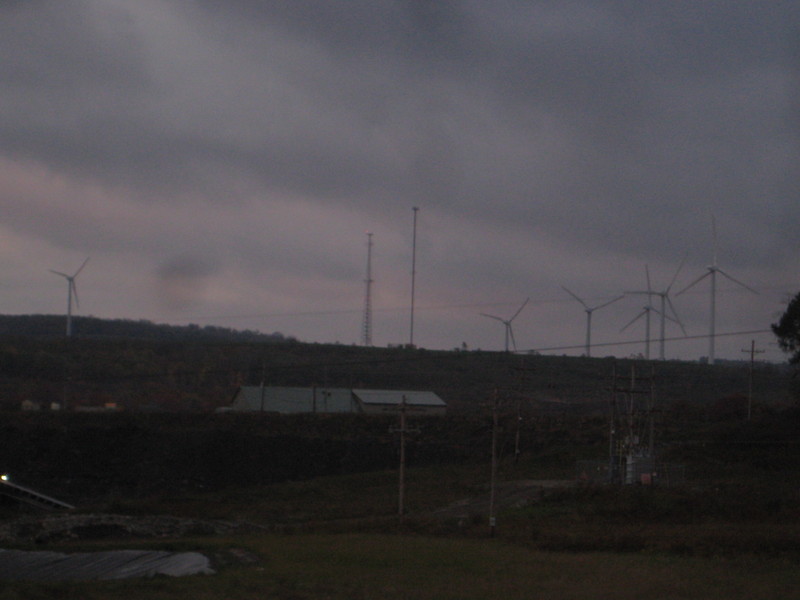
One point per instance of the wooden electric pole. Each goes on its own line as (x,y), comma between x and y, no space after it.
(493,480)
(752,350)
(401,488)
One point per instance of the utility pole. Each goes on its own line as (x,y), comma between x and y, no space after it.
(402,482)
(752,350)
(493,480)
(413,275)
(612,426)
(263,377)
(651,446)
(403,430)
(522,370)
(517,451)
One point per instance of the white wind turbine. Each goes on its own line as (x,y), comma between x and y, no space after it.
(712,271)
(666,305)
(589,310)
(507,323)
(645,313)
(72,291)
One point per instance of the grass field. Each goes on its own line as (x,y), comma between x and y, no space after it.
(383,566)
(733,531)
(339,537)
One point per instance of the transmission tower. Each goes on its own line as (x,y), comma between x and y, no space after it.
(368,295)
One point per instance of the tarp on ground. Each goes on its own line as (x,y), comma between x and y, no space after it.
(18,565)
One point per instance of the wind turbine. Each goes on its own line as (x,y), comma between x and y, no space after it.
(645,313)
(589,310)
(507,323)
(666,305)
(72,291)
(712,271)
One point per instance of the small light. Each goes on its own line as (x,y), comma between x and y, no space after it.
(4,477)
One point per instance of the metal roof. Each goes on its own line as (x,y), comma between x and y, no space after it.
(289,400)
(395,397)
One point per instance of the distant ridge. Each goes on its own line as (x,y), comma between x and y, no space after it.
(52,326)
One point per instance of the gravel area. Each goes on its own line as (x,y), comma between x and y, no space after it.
(54,528)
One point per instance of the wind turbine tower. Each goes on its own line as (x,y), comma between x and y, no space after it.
(648,308)
(711,271)
(589,310)
(666,304)
(368,295)
(72,292)
(507,324)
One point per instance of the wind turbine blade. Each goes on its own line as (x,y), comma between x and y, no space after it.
(74,291)
(674,277)
(647,273)
(493,317)
(636,318)
(747,287)
(666,317)
(607,303)
(576,297)
(714,236)
(698,280)
(81,267)
(675,313)
(519,310)
(59,273)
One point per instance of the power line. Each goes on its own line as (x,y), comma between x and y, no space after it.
(627,343)
(473,305)
(343,311)
(415,357)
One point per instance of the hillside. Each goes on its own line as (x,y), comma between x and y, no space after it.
(53,326)
(144,477)
(141,366)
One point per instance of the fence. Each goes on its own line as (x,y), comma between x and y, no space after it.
(624,470)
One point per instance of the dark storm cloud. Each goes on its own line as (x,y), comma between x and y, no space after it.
(542,139)
(584,81)
(409,31)
(72,86)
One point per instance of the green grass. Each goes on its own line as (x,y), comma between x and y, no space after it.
(706,520)
(373,566)
(736,536)
(323,499)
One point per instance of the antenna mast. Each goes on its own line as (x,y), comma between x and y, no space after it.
(413,276)
(368,295)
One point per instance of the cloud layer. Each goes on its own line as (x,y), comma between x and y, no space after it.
(221,163)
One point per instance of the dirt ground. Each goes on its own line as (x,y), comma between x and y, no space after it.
(508,494)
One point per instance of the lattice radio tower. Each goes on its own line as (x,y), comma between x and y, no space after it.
(367,337)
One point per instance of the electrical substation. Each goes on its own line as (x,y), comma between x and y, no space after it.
(632,451)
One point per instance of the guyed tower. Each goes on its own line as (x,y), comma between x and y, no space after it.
(367,329)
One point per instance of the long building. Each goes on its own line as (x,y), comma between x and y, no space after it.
(322,400)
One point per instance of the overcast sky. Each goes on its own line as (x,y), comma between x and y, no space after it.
(221,163)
